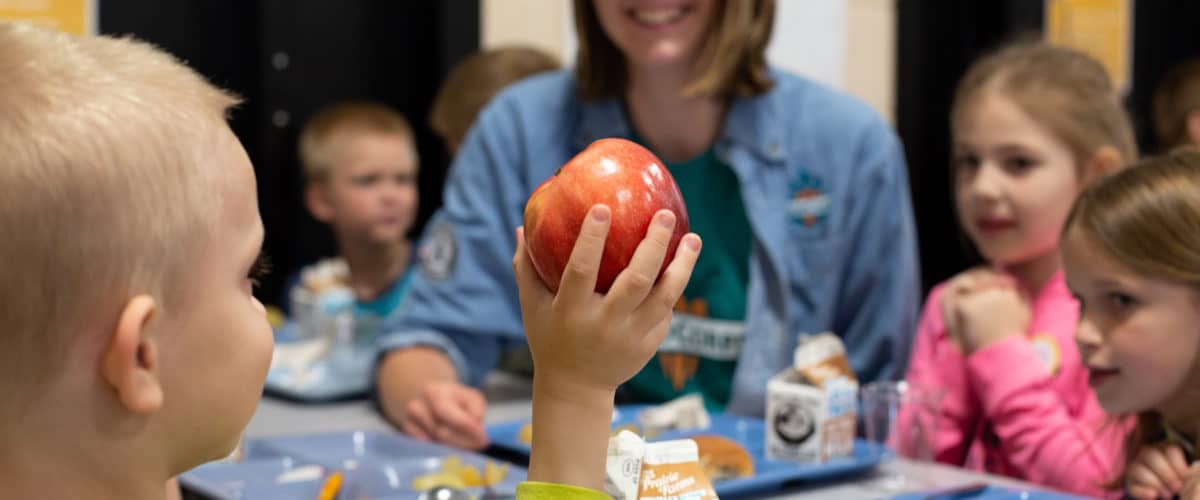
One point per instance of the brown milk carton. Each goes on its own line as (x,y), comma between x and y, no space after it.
(671,470)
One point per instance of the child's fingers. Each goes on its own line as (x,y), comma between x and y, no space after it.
(949,317)
(579,278)
(531,290)
(449,411)
(670,287)
(458,439)
(637,279)
(1160,466)
(473,402)
(1144,477)
(459,423)
(418,420)
(415,431)
(1191,489)
(959,285)
(1143,493)
(1177,461)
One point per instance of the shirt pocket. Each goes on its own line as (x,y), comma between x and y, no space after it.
(814,269)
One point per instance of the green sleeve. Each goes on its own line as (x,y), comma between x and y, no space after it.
(532,490)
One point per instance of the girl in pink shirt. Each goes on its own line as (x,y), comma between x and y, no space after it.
(1032,125)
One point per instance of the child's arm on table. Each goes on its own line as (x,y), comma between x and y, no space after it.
(585,344)
(938,361)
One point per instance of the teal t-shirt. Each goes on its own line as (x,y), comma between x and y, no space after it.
(389,301)
(702,350)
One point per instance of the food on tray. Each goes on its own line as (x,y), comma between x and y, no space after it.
(682,414)
(455,474)
(525,435)
(325,275)
(494,473)
(331,487)
(822,358)
(632,428)
(322,293)
(723,458)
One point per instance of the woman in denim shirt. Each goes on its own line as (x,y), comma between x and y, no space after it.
(799,192)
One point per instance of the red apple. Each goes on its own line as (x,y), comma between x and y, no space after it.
(615,172)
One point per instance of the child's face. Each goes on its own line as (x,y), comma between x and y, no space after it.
(372,190)
(655,32)
(1138,337)
(218,343)
(1014,181)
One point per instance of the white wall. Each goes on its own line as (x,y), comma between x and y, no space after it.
(849,44)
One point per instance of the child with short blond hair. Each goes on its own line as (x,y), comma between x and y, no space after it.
(360,166)
(128,245)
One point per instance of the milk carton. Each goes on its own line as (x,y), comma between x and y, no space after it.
(812,407)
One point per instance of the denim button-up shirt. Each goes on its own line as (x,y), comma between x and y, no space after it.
(824,184)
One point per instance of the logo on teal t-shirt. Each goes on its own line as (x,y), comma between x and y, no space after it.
(700,354)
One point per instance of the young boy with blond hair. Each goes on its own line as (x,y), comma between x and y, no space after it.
(360,168)
(132,347)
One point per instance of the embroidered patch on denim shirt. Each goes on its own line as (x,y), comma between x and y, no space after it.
(810,202)
(438,253)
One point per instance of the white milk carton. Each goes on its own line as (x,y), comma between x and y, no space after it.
(812,408)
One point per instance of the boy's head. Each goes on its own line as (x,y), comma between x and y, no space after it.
(360,165)
(128,227)
(475,81)
(1177,106)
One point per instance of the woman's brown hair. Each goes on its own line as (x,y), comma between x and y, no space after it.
(733,59)
(1062,89)
(1147,217)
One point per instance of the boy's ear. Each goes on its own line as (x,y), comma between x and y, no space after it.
(1193,128)
(1106,161)
(131,359)
(316,198)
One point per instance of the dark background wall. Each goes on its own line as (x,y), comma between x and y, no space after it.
(288,57)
